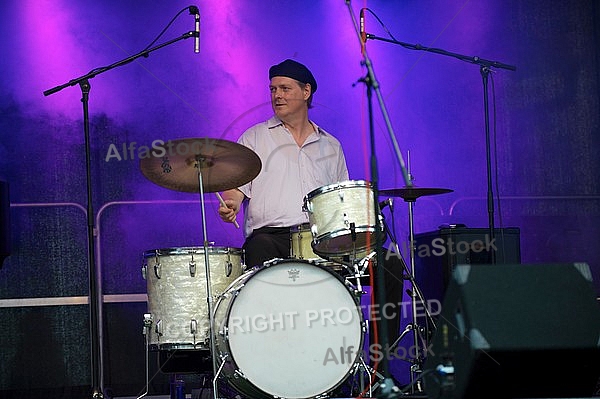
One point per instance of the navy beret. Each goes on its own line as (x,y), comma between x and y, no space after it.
(295,70)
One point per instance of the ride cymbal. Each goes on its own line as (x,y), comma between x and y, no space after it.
(223,165)
(412,193)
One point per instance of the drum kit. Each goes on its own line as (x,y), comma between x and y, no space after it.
(290,328)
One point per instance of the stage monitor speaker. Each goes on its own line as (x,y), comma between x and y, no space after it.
(438,253)
(516,331)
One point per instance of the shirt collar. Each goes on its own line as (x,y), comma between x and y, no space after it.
(275,121)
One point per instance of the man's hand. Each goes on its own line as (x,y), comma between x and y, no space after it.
(232,202)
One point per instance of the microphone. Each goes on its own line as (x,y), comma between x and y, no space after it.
(363,34)
(196,13)
(388,202)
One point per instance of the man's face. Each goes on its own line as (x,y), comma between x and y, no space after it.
(288,97)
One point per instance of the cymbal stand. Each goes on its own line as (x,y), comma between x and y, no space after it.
(209,297)
(421,298)
(415,295)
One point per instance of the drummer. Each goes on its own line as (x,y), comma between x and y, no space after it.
(297,157)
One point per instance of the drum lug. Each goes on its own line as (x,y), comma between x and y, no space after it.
(239,374)
(148,319)
(158,328)
(314,230)
(224,333)
(341,195)
(308,206)
(228,268)
(272,262)
(194,329)
(157,264)
(144,271)
(192,268)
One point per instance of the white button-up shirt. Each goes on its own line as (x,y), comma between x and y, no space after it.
(288,174)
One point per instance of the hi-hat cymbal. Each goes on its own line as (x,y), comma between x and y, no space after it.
(412,193)
(223,165)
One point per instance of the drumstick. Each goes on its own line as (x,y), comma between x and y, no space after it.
(222,201)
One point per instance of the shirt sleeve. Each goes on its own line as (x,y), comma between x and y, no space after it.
(342,169)
(245,140)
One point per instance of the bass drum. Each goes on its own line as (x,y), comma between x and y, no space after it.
(176,282)
(289,329)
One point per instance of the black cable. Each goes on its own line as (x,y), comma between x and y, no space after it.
(495,133)
(381,23)
(101,69)
(166,27)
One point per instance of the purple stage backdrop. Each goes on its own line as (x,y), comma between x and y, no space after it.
(544,122)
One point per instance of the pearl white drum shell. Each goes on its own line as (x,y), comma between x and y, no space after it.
(301,248)
(331,212)
(282,329)
(177,299)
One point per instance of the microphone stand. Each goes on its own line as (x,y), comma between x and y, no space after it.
(387,389)
(485,67)
(94,274)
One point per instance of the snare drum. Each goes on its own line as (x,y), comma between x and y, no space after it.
(176,283)
(342,218)
(279,336)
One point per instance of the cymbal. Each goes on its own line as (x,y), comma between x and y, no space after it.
(223,164)
(412,193)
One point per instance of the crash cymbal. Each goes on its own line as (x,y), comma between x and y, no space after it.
(223,164)
(412,193)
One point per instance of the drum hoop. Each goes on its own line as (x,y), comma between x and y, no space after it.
(342,232)
(336,234)
(173,346)
(192,251)
(335,186)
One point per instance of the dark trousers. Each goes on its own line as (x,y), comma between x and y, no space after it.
(267,243)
